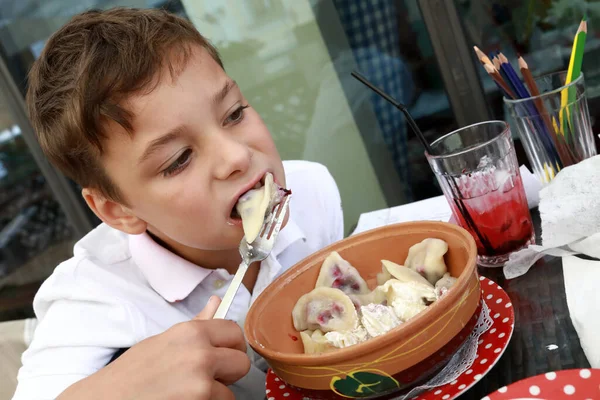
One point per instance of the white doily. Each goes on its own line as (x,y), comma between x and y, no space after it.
(462,359)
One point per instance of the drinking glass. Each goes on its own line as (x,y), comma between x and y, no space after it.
(555,126)
(477,168)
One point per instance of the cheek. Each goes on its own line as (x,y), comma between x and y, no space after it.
(179,203)
(260,137)
(262,141)
(186,220)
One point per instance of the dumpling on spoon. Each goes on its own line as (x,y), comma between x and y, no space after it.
(427,258)
(256,203)
(337,273)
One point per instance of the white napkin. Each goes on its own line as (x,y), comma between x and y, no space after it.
(532,187)
(570,212)
(581,286)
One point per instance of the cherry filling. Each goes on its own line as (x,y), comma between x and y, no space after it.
(325,316)
(342,283)
(336,272)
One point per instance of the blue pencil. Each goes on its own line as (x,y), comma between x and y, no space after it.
(522,92)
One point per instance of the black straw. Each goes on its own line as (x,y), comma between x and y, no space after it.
(411,122)
(399,106)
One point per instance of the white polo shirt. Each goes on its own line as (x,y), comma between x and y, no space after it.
(119,289)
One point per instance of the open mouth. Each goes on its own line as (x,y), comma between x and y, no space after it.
(235,215)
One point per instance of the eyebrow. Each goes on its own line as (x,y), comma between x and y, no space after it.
(221,94)
(156,144)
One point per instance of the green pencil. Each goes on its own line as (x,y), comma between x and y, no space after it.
(569,96)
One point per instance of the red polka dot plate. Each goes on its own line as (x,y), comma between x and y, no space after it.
(573,384)
(490,348)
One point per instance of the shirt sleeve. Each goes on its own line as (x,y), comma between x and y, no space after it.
(77,334)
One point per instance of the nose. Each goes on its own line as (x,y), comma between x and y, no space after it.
(232,157)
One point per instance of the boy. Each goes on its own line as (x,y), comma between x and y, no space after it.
(136,107)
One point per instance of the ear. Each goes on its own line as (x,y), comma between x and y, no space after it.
(112,213)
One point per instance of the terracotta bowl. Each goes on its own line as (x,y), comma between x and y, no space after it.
(386,364)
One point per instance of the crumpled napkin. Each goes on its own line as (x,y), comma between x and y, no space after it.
(570,212)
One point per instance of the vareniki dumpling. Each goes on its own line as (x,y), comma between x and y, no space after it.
(378,319)
(254,205)
(326,309)
(342,311)
(384,275)
(377,296)
(403,274)
(407,299)
(427,258)
(315,342)
(347,338)
(337,273)
(443,285)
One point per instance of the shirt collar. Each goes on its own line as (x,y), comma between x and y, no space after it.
(173,277)
(169,275)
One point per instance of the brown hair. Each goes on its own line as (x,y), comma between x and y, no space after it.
(85,72)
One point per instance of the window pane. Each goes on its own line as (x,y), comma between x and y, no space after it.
(35,235)
(542,32)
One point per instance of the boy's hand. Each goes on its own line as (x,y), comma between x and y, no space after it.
(193,360)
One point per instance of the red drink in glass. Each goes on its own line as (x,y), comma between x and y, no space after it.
(478,171)
(501,217)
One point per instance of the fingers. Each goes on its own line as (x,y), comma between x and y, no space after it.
(229,365)
(224,333)
(221,392)
(210,309)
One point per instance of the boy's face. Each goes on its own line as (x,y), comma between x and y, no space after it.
(195,149)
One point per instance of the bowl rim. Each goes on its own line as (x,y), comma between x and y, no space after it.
(406,329)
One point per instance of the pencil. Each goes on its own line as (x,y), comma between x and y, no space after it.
(496,63)
(504,76)
(575,62)
(493,72)
(482,57)
(514,78)
(577,53)
(522,92)
(539,104)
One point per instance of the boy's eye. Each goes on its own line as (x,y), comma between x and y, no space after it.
(237,115)
(179,164)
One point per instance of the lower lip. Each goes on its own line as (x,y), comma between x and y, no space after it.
(235,221)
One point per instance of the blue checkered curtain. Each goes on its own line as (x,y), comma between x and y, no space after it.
(372,31)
